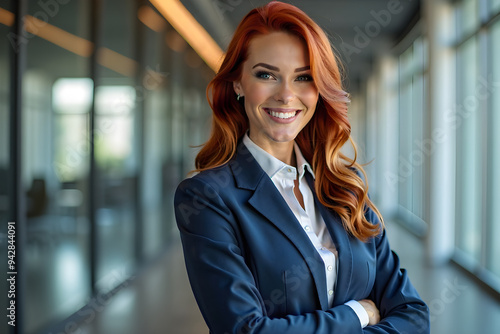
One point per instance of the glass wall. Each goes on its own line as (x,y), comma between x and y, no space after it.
(155,80)
(469,155)
(477,120)
(147,96)
(116,141)
(57,97)
(468,17)
(412,151)
(493,264)
(176,118)
(5,61)
(494,6)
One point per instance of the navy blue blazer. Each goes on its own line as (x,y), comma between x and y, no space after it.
(253,269)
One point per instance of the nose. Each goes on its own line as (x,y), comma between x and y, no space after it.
(284,93)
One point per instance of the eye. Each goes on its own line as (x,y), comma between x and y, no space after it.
(264,75)
(305,77)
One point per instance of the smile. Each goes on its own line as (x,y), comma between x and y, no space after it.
(281,113)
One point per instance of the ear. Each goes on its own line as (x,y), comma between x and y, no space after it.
(237,88)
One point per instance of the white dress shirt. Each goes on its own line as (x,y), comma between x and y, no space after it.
(283,177)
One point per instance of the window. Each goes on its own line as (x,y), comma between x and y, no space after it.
(494,153)
(116,143)
(56,103)
(468,17)
(71,103)
(412,157)
(478,142)
(155,168)
(494,7)
(469,158)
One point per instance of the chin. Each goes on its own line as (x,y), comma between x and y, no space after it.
(284,138)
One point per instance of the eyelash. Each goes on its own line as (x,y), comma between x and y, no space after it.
(307,76)
(260,75)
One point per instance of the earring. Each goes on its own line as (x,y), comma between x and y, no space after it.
(238,97)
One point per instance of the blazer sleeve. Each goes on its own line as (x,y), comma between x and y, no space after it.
(223,284)
(401,308)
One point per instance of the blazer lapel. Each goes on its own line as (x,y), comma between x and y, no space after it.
(341,240)
(267,200)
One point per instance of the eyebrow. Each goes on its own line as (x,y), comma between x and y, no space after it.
(274,68)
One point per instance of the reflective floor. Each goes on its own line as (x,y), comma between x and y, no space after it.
(160,300)
(457,303)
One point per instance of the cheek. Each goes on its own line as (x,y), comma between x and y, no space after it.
(310,97)
(257,94)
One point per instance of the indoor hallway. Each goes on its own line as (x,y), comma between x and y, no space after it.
(160,300)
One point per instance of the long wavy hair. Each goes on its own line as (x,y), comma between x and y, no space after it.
(338,184)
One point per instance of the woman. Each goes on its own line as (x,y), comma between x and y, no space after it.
(278,232)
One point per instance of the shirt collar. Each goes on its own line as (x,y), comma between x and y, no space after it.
(272,165)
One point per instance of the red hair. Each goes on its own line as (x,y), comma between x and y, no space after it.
(337,184)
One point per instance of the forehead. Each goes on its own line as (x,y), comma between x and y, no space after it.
(278,47)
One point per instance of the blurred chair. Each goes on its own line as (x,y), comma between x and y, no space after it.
(4,191)
(37,198)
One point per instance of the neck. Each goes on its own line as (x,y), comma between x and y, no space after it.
(283,152)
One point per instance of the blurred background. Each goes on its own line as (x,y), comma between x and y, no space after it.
(102,101)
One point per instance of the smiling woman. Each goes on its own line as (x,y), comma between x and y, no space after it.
(279,94)
(278,231)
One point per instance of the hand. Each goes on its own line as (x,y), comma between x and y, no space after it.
(372,310)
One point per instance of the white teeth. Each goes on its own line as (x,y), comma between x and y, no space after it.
(283,115)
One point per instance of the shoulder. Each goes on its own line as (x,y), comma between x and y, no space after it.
(242,171)
(214,179)
(204,197)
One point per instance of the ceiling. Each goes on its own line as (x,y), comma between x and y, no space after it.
(341,19)
(360,30)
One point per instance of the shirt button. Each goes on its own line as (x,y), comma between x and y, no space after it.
(330,268)
(289,170)
(330,292)
(307,228)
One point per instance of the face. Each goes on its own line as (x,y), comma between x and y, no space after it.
(279,93)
